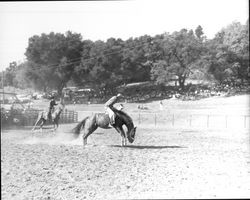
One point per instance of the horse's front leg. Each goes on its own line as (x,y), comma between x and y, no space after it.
(37,121)
(55,126)
(123,138)
(33,129)
(124,142)
(41,125)
(123,135)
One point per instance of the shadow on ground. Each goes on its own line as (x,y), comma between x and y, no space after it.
(147,146)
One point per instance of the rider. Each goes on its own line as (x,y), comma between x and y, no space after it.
(109,105)
(52,103)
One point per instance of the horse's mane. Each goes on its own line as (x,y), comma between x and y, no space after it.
(122,113)
(58,109)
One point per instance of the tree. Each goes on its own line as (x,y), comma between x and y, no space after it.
(236,37)
(91,69)
(134,67)
(199,32)
(22,78)
(114,62)
(229,53)
(54,57)
(10,73)
(182,51)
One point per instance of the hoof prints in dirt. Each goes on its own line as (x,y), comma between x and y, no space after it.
(156,166)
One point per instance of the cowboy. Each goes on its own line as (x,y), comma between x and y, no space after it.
(52,103)
(109,105)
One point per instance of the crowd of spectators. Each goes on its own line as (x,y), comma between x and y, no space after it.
(138,95)
(147,93)
(191,92)
(154,92)
(196,92)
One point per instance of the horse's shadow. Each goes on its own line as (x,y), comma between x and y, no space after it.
(148,146)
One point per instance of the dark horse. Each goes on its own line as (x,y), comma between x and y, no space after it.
(91,123)
(43,117)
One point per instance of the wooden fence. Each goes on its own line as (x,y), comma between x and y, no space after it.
(69,116)
(29,117)
(209,121)
(192,121)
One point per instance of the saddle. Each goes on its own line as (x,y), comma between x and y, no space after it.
(48,114)
(102,120)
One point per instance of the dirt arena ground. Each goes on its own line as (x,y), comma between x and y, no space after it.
(163,162)
(159,164)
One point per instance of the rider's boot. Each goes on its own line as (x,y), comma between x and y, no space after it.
(112,121)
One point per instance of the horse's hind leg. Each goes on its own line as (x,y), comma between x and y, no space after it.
(87,132)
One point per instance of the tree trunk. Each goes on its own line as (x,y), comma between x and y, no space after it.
(44,88)
(59,90)
(181,81)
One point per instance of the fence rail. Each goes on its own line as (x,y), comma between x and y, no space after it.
(193,120)
(29,117)
(209,121)
(150,119)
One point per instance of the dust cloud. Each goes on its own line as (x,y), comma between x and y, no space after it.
(51,138)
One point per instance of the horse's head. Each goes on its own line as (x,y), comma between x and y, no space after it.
(61,107)
(58,110)
(131,135)
(123,118)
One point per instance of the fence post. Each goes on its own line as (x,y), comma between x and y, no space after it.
(76,117)
(226,120)
(139,118)
(155,119)
(65,117)
(207,121)
(173,120)
(245,121)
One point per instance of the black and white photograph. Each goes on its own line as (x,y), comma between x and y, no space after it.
(125,99)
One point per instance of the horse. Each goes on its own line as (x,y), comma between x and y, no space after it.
(91,123)
(55,116)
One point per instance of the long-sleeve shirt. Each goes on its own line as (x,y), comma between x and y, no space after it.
(52,104)
(111,101)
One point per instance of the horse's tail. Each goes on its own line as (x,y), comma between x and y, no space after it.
(79,126)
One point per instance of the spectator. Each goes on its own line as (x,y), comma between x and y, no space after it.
(161,105)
